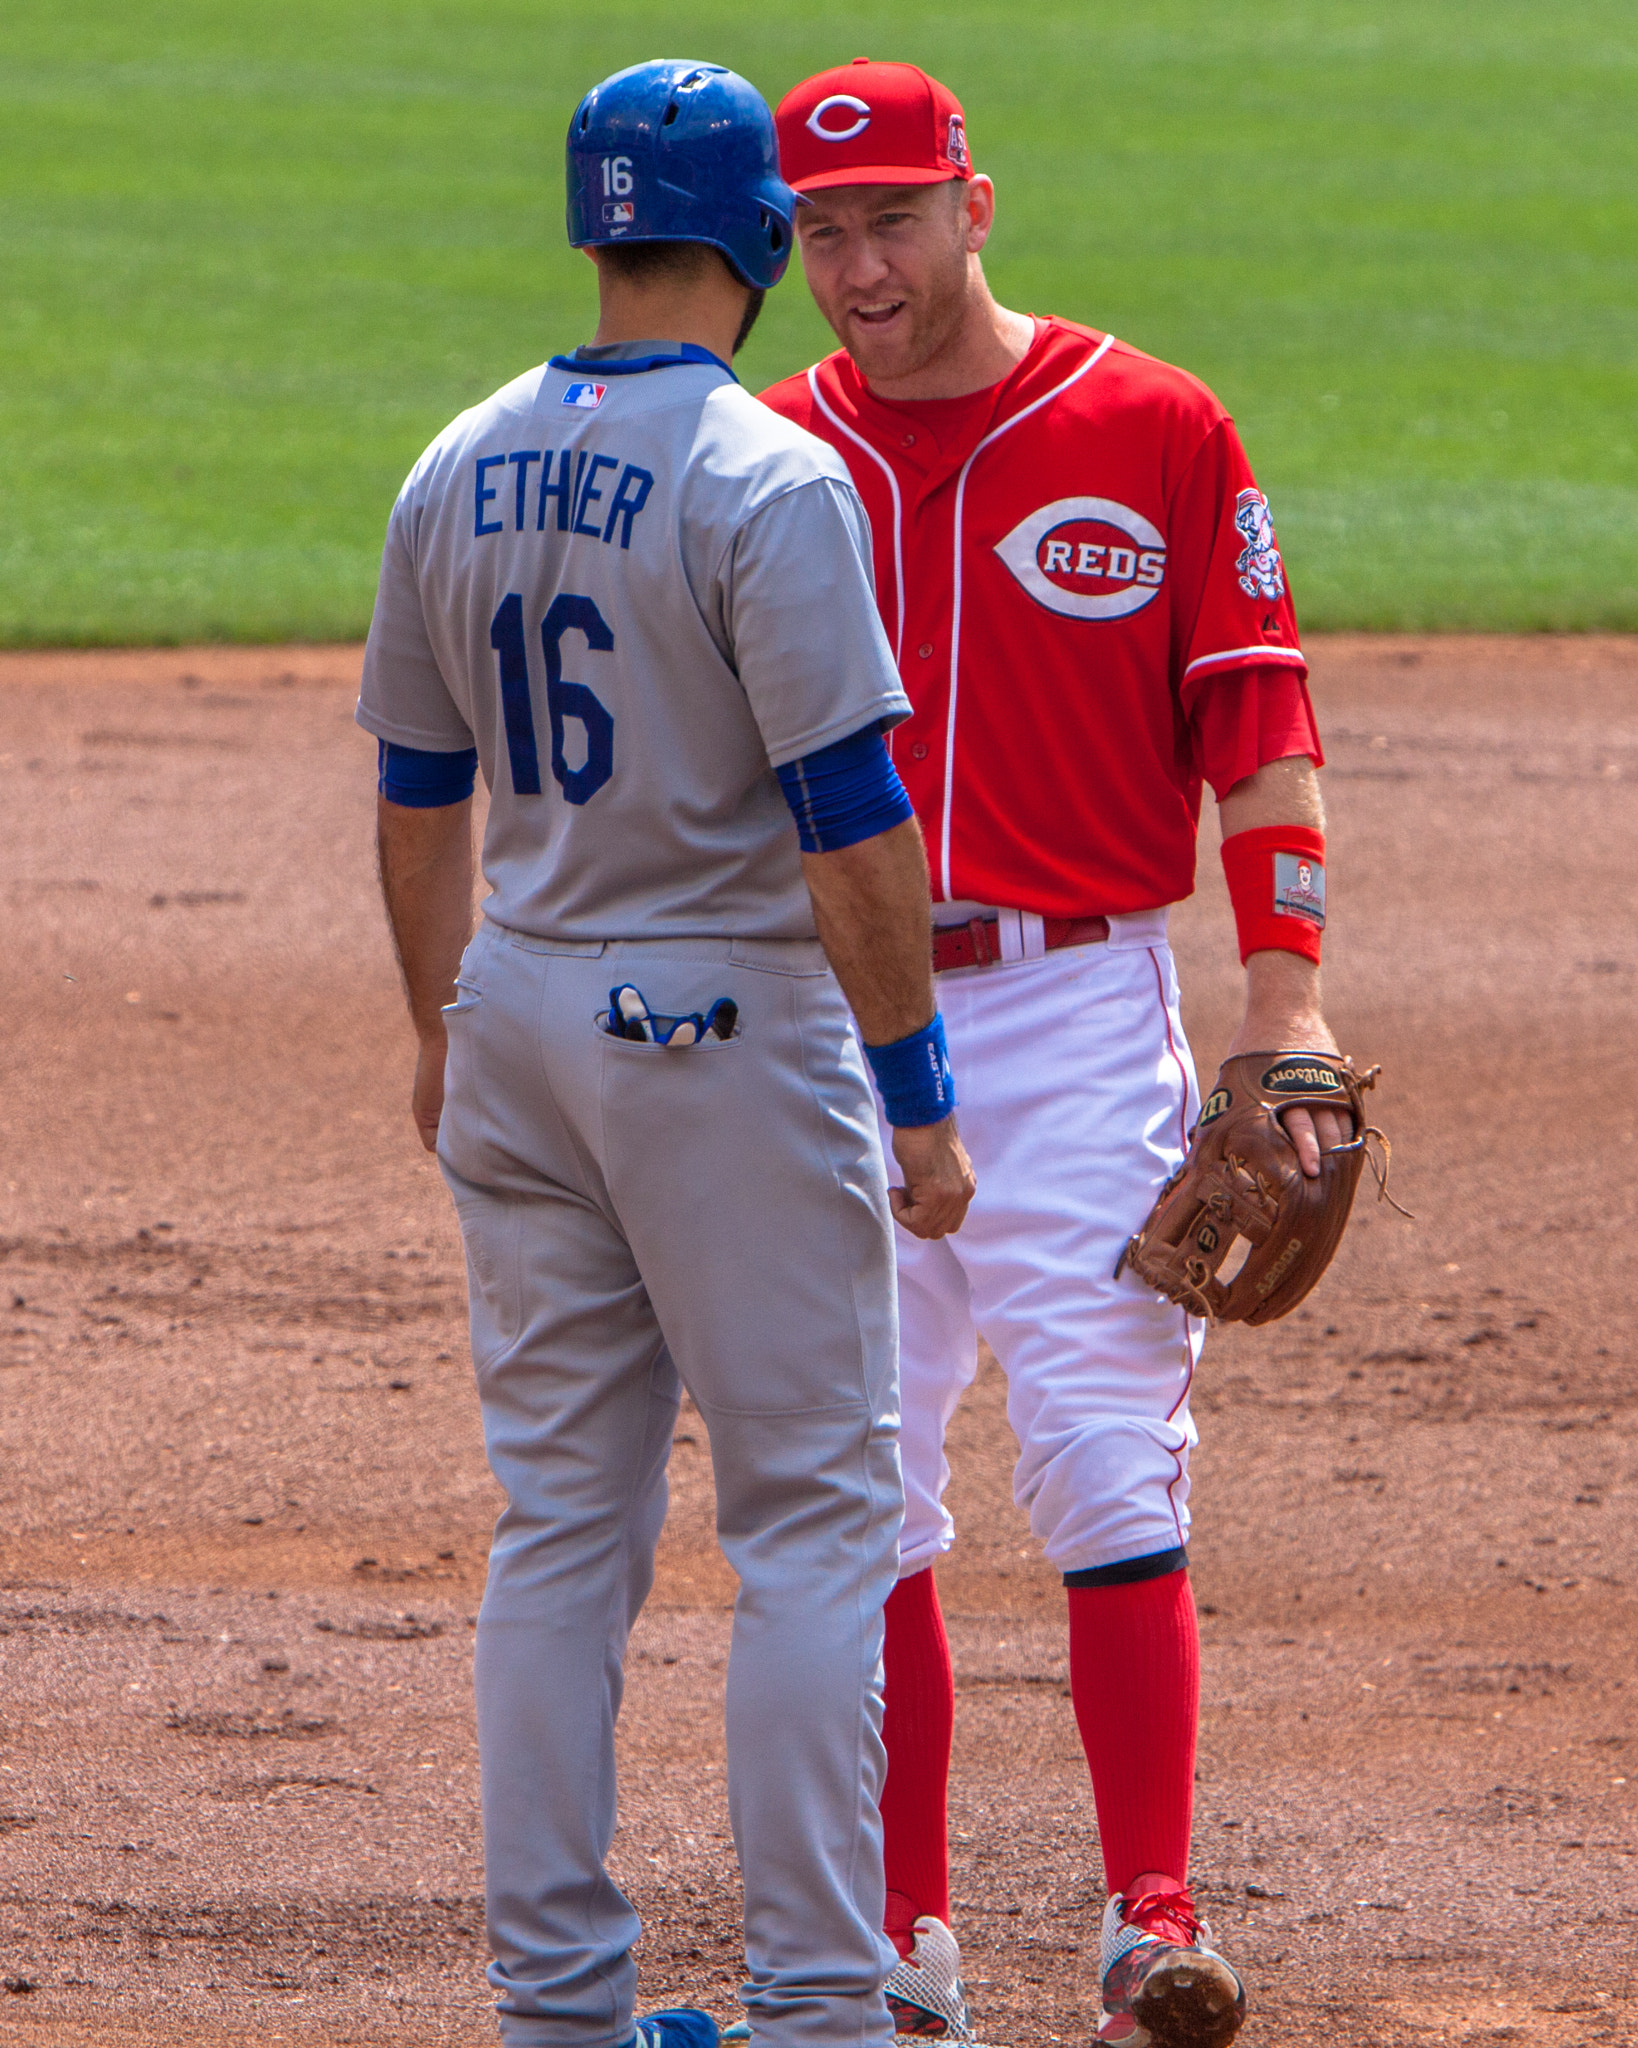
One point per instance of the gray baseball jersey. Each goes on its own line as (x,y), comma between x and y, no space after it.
(636,591)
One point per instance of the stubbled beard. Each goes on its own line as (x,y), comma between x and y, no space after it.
(748,319)
(940,323)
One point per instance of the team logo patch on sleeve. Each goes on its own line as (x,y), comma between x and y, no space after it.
(1299,887)
(587,396)
(1259,568)
(1087,558)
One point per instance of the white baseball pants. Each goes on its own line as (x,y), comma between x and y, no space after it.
(1076,1091)
(636,1215)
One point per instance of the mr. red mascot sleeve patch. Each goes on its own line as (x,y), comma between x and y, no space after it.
(1232,605)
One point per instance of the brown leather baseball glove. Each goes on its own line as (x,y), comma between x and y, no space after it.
(1241,1179)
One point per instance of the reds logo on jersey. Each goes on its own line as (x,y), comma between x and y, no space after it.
(1087,558)
(1259,568)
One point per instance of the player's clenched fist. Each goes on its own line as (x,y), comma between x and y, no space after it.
(939,1180)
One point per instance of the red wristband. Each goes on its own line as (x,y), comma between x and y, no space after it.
(1276,879)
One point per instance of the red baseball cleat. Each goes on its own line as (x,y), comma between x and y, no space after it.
(1164,1986)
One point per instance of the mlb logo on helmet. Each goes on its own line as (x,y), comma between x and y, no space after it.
(866,123)
(587,396)
(619,213)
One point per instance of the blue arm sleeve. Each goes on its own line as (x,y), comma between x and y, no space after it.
(844,793)
(423,781)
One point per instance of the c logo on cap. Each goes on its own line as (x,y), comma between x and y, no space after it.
(857,108)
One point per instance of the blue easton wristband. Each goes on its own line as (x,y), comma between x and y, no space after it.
(913,1077)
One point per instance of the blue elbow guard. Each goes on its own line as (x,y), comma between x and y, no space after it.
(913,1077)
(844,793)
(423,781)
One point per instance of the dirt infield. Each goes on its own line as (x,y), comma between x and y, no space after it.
(245,1504)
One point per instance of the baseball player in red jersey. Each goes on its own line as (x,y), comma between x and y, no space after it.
(1085,595)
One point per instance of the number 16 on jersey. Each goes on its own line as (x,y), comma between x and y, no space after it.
(563,699)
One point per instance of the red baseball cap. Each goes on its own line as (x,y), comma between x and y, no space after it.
(871,124)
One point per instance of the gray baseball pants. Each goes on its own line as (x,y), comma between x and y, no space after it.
(638,1218)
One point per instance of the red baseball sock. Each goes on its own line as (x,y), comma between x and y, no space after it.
(918,1724)
(1134,1675)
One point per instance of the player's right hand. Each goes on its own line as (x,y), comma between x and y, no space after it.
(427,1100)
(939,1180)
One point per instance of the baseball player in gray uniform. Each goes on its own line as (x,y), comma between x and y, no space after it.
(642,603)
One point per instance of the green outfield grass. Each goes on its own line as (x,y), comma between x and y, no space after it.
(253,258)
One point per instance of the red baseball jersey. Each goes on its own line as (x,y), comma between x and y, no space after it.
(1084,592)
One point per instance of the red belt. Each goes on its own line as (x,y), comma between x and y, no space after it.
(977,943)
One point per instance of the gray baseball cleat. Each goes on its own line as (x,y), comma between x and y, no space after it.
(924,1991)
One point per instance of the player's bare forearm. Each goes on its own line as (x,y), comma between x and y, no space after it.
(875,917)
(874,914)
(1283,1004)
(1283,1009)
(1280,793)
(426,884)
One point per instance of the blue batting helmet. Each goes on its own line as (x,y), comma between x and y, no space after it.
(677,152)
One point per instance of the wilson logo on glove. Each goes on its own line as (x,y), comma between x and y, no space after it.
(1303,1076)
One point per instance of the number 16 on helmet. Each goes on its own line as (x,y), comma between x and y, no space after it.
(672,151)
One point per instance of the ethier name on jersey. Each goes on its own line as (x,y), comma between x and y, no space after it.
(583,503)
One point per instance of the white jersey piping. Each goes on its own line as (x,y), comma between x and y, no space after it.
(898,515)
(955,603)
(1240,654)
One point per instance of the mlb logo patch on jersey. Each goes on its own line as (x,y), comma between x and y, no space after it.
(587,396)
(619,213)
